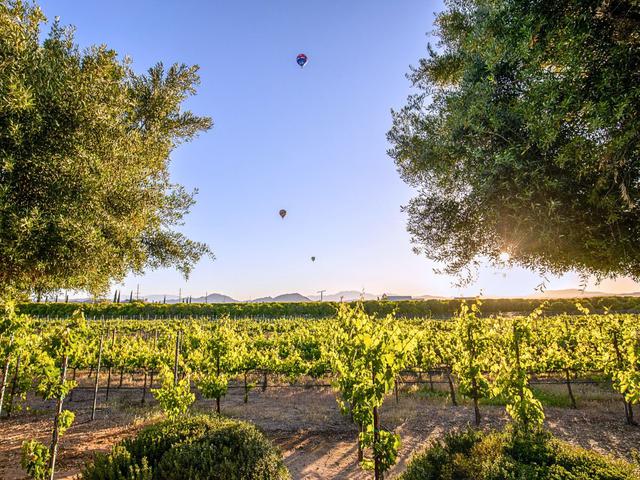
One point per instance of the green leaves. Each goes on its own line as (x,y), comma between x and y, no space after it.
(35,459)
(523,137)
(516,361)
(174,398)
(367,354)
(213,386)
(472,353)
(65,420)
(619,354)
(85,145)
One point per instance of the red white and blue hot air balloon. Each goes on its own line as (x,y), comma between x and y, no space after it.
(301,60)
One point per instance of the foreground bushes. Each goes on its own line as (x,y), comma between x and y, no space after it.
(194,448)
(512,456)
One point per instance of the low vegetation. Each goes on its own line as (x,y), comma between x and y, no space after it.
(364,356)
(198,448)
(513,455)
(403,309)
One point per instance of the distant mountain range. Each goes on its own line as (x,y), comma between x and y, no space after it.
(215,298)
(351,295)
(210,298)
(284,298)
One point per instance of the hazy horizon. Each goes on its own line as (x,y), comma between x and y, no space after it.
(311,141)
(615,288)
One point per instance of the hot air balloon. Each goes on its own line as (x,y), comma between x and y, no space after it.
(283,213)
(301,60)
(313,259)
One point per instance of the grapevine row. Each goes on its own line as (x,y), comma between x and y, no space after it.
(363,356)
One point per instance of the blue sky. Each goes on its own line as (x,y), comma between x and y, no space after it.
(311,141)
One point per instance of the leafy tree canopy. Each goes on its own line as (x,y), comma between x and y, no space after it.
(85,194)
(524,137)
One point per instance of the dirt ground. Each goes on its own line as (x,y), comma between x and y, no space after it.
(317,442)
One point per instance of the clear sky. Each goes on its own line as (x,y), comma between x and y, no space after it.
(311,141)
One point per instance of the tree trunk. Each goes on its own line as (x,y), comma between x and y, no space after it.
(452,390)
(176,358)
(246,389)
(476,410)
(108,384)
(113,342)
(5,376)
(14,386)
(395,389)
(569,389)
(73,377)
(218,374)
(378,474)
(476,407)
(360,452)
(264,381)
(96,384)
(516,346)
(628,412)
(55,437)
(144,388)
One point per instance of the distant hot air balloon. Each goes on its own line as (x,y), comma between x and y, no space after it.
(313,259)
(301,60)
(283,213)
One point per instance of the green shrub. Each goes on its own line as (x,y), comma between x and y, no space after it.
(119,465)
(235,452)
(513,455)
(195,448)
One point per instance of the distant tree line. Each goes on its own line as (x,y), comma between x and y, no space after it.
(405,309)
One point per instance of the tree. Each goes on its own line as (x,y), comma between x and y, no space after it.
(563,347)
(64,341)
(515,361)
(471,342)
(367,354)
(213,354)
(620,357)
(174,396)
(524,137)
(85,144)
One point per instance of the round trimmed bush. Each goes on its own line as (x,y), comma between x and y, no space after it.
(512,456)
(194,448)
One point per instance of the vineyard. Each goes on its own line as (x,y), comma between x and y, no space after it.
(444,308)
(367,359)
(518,154)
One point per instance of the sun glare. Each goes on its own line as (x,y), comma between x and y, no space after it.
(504,257)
